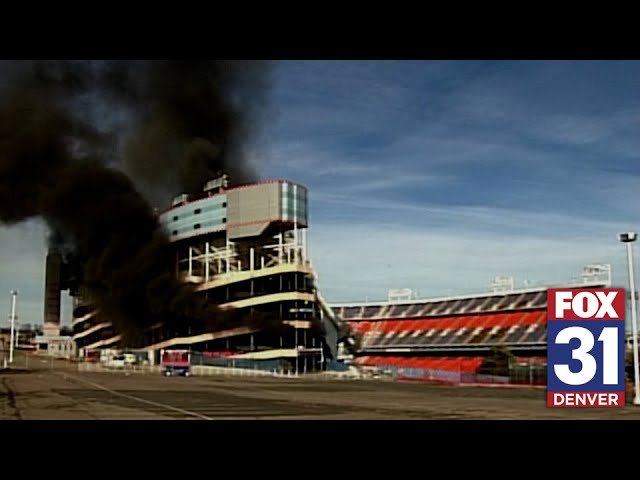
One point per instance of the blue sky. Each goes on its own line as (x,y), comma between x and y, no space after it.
(438,175)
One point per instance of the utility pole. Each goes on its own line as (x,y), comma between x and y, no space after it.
(629,238)
(12,318)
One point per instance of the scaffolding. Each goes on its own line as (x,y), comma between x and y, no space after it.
(205,261)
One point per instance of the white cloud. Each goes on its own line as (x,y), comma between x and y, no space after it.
(399,181)
(484,103)
(572,129)
(468,219)
(359,262)
(626,146)
(363,245)
(302,158)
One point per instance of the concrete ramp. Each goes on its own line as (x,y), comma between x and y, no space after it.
(269,354)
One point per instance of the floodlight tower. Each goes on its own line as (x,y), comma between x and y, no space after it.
(12,319)
(629,238)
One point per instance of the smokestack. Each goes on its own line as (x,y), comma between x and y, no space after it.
(52,293)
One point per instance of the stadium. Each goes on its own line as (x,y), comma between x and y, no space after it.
(244,248)
(455,339)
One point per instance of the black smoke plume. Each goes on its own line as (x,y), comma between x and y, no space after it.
(191,120)
(85,145)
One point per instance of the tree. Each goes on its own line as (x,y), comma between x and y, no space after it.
(497,362)
(66,331)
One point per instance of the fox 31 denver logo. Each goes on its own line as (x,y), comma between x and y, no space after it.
(585,347)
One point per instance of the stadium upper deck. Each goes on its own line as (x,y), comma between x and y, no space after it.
(413,332)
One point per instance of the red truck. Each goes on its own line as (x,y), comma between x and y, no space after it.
(175,362)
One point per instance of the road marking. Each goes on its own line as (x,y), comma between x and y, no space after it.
(137,399)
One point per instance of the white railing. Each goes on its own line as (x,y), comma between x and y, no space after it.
(99,367)
(206,371)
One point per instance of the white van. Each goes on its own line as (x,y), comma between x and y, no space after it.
(130,359)
(117,361)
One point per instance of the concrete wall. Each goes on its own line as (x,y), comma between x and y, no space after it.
(252,208)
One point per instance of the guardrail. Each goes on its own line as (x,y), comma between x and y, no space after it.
(98,367)
(246,372)
(457,377)
(205,370)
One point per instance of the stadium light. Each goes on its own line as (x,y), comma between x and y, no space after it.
(629,238)
(14,293)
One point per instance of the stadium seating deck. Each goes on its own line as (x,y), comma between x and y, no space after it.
(452,364)
(493,328)
(424,339)
(433,365)
(535,299)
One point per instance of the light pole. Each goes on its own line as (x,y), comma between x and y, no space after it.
(629,238)
(14,294)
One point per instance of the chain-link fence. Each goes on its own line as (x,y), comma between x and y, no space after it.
(21,360)
(519,374)
(101,367)
(528,374)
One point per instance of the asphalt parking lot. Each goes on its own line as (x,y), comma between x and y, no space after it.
(57,390)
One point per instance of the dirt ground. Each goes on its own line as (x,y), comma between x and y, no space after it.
(47,390)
